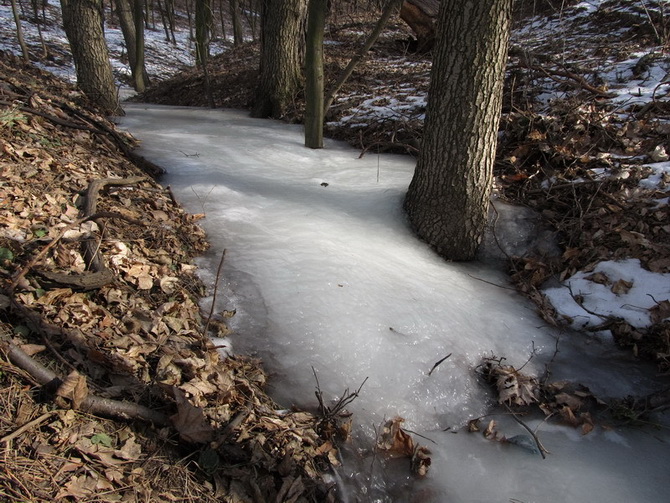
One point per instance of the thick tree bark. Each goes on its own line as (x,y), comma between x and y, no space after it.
(314,111)
(447,201)
(282,42)
(82,20)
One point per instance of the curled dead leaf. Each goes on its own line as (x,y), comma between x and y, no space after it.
(420,461)
(394,441)
(190,421)
(621,287)
(74,388)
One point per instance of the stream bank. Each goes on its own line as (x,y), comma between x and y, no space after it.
(111,387)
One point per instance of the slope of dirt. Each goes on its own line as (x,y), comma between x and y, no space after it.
(577,158)
(100,319)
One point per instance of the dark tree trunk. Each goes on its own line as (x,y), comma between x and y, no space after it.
(203,26)
(282,42)
(236,18)
(447,201)
(140,75)
(82,20)
(19,33)
(314,111)
(131,19)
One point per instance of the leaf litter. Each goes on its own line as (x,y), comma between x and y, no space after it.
(110,302)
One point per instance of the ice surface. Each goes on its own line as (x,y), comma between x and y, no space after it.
(324,273)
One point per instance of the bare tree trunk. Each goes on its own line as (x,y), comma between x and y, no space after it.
(131,19)
(282,40)
(236,19)
(203,22)
(82,21)
(222,19)
(164,20)
(19,32)
(169,13)
(38,23)
(447,201)
(314,110)
(140,75)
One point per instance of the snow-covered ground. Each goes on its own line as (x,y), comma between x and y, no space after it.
(163,58)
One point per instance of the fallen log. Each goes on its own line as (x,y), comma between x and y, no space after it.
(420,16)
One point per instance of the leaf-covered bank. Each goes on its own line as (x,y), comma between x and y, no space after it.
(110,385)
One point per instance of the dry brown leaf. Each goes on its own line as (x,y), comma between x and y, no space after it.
(130,451)
(600,278)
(571,401)
(660,311)
(74,388)
(190,421)
(32,349)
(79,487)
(420,461)
(621,287)
(514,387)
(394,441)
(490,431)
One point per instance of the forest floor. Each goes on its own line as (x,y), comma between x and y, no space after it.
(82,337)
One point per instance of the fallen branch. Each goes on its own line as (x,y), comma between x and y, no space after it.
(92,404)
(573,78)
(21,274)
(91,250)
(216,289)
(438,362)
(381,23)
(29,425)
(540,447)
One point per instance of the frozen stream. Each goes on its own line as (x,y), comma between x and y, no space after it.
(324,272)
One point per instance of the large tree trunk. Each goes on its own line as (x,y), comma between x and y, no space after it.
(282,42)
(82,20)
(447,201)
(420,16)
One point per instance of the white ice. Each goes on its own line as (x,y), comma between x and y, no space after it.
(325,274)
